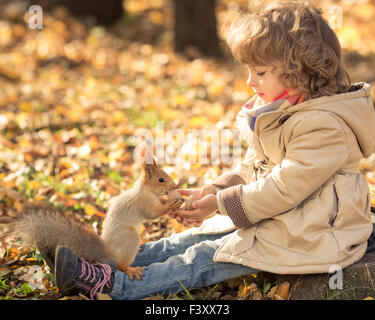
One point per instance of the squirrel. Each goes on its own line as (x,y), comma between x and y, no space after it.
(152,196)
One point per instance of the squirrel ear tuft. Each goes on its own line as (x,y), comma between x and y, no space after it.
(148,170)
(146,158)
(148,167)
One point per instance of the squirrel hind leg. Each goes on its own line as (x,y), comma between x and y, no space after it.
(48,255)
(50,260)
(131,271)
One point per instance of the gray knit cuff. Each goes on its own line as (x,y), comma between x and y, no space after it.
(231,198)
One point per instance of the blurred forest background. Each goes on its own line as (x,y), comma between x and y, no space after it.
(73,94)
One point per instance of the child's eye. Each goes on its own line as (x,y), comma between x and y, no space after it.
(261,73)
(161,179)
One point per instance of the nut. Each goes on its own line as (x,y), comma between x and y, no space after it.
(174,196)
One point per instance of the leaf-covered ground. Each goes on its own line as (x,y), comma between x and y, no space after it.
(72,98)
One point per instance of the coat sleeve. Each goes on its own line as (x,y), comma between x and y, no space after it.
(315,151)
(240,174)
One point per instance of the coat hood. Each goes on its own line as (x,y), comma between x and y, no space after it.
(355,108)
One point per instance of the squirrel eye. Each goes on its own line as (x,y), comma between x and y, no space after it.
(161,179)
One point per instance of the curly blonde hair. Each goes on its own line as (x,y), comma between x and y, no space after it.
(296,38)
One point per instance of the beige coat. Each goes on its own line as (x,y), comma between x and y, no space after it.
(298,201)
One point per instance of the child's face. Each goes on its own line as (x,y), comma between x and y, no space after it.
(266,84)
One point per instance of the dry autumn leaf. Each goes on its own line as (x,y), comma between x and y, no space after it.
(282,292)
(103,296)
(271,292)
(90,209)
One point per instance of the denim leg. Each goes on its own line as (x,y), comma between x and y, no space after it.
(162,249)
(194,268)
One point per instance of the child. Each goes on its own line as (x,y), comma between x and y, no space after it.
(297,203)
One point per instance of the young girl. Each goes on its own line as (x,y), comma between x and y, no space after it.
(297,203)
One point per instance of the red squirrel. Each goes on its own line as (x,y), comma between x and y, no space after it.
(152,196)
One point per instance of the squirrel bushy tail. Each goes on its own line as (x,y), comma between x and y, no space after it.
(45,227)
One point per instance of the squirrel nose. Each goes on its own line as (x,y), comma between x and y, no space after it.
(173,187)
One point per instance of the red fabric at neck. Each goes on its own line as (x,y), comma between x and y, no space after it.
(283,95)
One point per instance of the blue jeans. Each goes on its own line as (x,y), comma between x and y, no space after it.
(181,260)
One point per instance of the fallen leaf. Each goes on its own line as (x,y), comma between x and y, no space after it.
(101,214)
(282,291)
(271,292)
(90,209)
(103,296)
(31,259)
(4,272)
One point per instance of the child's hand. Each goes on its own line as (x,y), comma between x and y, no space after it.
(186,222)
(203,208)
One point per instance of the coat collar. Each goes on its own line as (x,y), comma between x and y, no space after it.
(276,117)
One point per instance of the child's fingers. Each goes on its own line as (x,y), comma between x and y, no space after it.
(201,203)
(197,223)
(188,222)
(174,211)
(179,219)
(179,212)
(195,214)
(187,192)
(176,216)
(194,223)
(184,192)
(183,212)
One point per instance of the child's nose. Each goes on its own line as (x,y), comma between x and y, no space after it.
(251,81)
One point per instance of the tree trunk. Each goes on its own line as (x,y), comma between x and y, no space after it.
(195,26)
